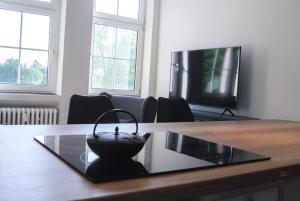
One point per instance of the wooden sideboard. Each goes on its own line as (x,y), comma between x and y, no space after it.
(200,115)
(30,172)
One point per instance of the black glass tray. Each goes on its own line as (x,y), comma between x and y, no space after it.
(164,152)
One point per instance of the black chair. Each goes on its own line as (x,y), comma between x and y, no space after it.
(144,109)
(86,109)
(173,110)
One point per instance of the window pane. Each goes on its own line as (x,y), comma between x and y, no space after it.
(107,6)
(35,33)
(129,8)
(10,22)
(104,41)
(34,67)
(102,74)
(126,44)
(125,75)
(9,61)
(45,0)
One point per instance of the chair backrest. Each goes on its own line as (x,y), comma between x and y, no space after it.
(144,109)
(149,109)
(173,110)
(86,109)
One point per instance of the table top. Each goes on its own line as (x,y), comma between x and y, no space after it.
(29,171)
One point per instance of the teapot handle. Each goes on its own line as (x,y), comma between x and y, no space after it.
(115,111)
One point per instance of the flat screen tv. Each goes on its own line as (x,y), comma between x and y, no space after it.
(207,77)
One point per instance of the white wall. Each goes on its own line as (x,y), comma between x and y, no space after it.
(149,71)
(269,32)
(77,46)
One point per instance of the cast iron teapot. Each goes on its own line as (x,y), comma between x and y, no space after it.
(116,145)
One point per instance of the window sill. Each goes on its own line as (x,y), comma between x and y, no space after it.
(114,92)
(15,99)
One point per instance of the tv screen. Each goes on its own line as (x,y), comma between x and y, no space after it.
(207,77)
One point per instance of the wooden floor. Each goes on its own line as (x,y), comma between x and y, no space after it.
(30,172)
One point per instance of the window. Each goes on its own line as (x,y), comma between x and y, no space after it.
(116,46)
(27,44)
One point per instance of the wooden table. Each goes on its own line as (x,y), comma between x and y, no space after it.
(30,172)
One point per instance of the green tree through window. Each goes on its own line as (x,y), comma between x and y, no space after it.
(9,71)
(33,74)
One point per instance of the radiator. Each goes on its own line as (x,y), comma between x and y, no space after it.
(28,115)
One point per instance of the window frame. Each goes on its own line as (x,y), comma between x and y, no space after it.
(40,8)
(34,3)
(124,23)
(139,21)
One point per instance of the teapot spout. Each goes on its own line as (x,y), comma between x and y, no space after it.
(146,136)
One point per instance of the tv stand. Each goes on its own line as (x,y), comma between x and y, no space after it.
(227,110)
(201,115)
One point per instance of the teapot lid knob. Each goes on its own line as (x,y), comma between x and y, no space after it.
(117,130)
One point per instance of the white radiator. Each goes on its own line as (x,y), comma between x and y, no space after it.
(28,115)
